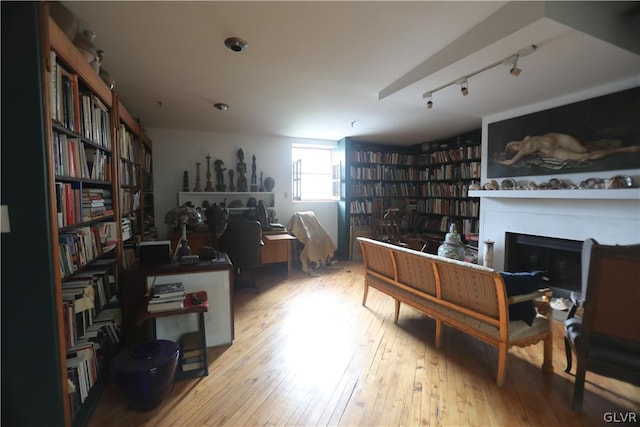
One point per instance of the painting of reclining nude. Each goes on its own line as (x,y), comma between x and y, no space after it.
(597,134)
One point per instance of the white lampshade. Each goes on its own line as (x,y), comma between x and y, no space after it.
(5,227)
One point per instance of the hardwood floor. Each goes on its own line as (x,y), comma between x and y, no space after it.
(307,353)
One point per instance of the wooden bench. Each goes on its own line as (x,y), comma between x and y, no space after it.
(465,296)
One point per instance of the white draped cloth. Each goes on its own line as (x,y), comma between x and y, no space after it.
(318,246)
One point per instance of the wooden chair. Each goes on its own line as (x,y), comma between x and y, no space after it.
(609,340)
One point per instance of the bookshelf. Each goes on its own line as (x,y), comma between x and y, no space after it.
(429,182)
(448,168)
(74,216)
(371,171)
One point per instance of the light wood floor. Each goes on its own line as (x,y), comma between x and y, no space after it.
(307,353)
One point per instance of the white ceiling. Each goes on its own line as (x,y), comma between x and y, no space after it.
(317,69)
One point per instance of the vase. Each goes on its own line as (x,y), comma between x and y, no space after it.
(269,183)
(487,256)
(452,247)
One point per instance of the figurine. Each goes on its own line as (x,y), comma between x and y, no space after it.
(232,186)
(261,188)
(209,187)
(218,167)
(254,184)
(185,181)
(198,187)
(241,168)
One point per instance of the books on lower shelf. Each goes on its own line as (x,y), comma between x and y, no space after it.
(191,352)
(156,306)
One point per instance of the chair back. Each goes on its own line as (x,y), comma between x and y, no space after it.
(242,241)
(612,303)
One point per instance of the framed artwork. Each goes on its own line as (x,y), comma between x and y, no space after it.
(598,134)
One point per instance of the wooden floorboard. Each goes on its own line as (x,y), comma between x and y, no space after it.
(307,353)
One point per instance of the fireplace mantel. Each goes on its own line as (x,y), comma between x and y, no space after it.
(602,194)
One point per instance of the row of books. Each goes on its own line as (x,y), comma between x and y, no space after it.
(453,207)
(74,159)
(77,110)
(444,189)
(129,173)
(129,201)
(82,245)
(87,359)
(383,172)
(469,226)
(191,352)
(166,297)
(96,203)
(369,156)
(129,146)
(451,171)
(382,189)
(472,152)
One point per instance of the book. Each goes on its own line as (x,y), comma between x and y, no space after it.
(164,306)
(167,290)
(166,299)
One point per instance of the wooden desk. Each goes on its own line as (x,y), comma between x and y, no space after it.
(276,249)
(199,308)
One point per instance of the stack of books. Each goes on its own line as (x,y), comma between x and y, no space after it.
(166,297)
(192,352)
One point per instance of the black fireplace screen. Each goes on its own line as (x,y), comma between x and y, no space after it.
(560,259)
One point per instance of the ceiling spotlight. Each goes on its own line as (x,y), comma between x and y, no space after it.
(236,44)
(464,89)
(514,70)
(430,101)
(221,106)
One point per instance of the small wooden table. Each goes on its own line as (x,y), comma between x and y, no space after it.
(276,249)
(199,306)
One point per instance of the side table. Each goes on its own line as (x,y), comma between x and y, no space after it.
(196,303)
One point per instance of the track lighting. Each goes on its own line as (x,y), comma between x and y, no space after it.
(513,69)
(511,61)
(464,87)
(430,101)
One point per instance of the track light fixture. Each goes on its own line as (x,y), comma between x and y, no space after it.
(513,68)
(464,87)
(511,61)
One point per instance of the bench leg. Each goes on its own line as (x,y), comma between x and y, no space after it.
(547,364)
(366,292)
(397,312)
(567,350)
(438,333)
(503,352)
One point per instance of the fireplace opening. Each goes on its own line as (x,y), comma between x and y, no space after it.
(560,259)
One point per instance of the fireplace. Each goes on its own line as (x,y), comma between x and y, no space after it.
(560,259)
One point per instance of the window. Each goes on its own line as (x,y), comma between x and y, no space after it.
(311,173)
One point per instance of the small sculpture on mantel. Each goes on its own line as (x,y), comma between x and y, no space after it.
(218,166)
(241,168)
(261,188)
(209,187)
(198,187)
(185,181)
(232,186)
(254,183)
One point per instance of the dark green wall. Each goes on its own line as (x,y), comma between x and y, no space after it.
(31,377)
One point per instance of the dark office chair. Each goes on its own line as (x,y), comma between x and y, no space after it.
(242,241)
(608,341)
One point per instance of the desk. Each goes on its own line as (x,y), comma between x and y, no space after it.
(190,307)
(215,278)
(276,249)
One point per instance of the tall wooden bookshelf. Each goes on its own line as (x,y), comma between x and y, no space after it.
(58,172)
(429,180)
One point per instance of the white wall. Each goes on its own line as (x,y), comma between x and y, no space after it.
(607,221)
(175,151)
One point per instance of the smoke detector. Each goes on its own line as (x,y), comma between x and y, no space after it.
(236,44)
